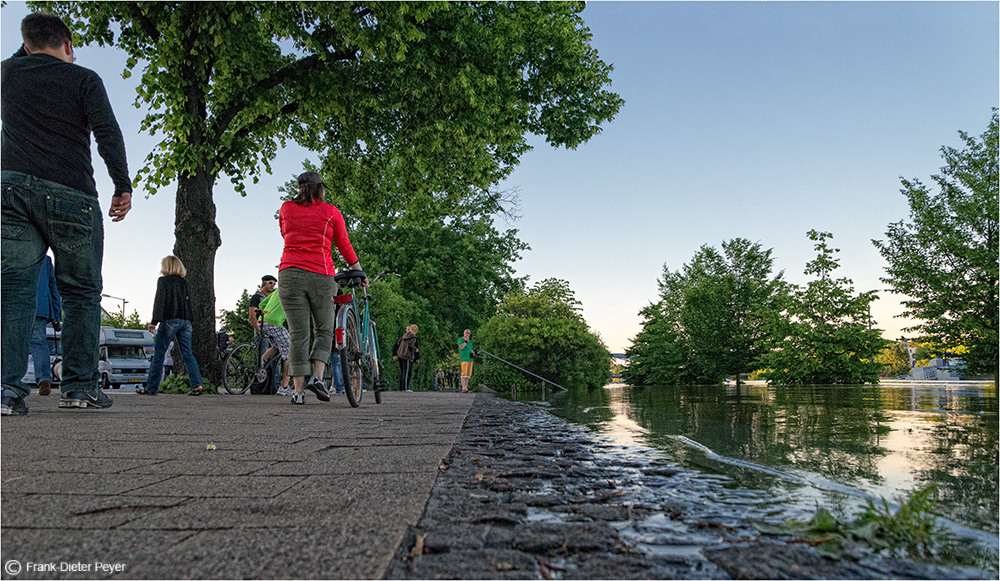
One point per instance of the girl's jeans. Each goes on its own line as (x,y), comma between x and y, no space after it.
(178,330)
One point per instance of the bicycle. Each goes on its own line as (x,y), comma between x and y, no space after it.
(356,339)
(242,366)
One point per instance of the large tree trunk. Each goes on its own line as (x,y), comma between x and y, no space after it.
(196,240)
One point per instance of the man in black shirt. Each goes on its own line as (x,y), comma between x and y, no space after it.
(48,108)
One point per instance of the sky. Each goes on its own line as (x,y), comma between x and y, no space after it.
(759,120)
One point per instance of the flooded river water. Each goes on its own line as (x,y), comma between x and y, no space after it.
(775,453)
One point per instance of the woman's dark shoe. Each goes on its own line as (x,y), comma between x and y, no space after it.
(144,391)
(195,391)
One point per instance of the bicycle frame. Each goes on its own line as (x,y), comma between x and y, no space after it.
(358,305)
(354,312)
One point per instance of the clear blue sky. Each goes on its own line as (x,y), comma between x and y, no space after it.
(749,119)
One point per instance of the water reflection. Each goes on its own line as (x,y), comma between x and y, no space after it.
(832,445)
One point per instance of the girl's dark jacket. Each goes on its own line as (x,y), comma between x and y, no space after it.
(173,299)
(415,353)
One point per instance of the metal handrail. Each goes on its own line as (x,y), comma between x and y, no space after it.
(520,368)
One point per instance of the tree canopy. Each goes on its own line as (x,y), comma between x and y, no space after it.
(946,259)
(711,319)
(543,331)
(446,92)
(825,335)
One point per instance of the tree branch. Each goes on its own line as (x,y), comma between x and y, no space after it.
(222,158)
(225,118)
(147,25)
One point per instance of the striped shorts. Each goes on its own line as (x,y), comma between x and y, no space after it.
(279,338)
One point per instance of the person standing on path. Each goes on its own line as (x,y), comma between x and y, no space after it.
(465,352)
(172,310)
(407,353)
(272,326)
(311,227)
(48,109)
(48,310)
(267,285)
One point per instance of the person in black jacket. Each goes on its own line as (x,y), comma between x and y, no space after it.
(172,310)
(407,353)
(49,108)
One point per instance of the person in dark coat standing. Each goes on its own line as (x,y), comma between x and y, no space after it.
(48,310)
(49,108)
(172,310)
(407,353)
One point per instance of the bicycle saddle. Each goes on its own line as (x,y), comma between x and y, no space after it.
(350,278)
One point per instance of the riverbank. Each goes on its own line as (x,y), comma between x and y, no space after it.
(526,495)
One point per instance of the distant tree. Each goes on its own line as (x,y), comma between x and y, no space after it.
(237,321)
(728,302)
(659,353)
(894,360)
(133,321)
(451,89)
(711,320)
(825,336)
(946,260)
(543,331)
(924,351)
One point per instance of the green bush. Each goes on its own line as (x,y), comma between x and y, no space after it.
(182,384)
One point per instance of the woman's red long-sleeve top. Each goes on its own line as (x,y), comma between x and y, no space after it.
(310,233)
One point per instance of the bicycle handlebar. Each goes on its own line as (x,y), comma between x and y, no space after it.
(384,272)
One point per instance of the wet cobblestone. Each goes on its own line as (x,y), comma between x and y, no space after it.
(526,495)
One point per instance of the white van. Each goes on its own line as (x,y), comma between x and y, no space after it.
(54,340)
(123,359)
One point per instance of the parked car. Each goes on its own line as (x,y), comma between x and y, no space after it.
(123,359)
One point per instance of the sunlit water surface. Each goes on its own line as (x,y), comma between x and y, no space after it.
(783,451)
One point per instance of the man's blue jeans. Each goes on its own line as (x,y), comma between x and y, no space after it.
(172,330)
(40,351)
(38,215)
(336,371)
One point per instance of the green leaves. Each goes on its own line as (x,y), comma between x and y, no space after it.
(710,321)
(542,331)
(946,258)
(911,531)
(825,335)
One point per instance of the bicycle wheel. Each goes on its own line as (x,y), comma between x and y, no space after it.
(239,369)
(350,360)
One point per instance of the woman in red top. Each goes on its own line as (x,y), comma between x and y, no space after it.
(306,287)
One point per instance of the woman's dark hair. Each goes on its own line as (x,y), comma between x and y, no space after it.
(41,30)
(309,193)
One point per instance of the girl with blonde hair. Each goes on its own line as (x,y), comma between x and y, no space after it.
(172,310)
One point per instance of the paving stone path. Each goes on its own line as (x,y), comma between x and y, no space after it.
(317,491)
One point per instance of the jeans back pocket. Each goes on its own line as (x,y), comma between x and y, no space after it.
(71,219)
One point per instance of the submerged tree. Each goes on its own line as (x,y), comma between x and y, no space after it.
(730,298)
(825,336)
(659,354)
(711,320)
(456,86)
(894,360)
(946,260)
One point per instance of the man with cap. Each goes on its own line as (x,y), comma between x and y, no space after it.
(267,285)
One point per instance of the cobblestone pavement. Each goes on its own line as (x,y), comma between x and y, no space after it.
(526,495)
